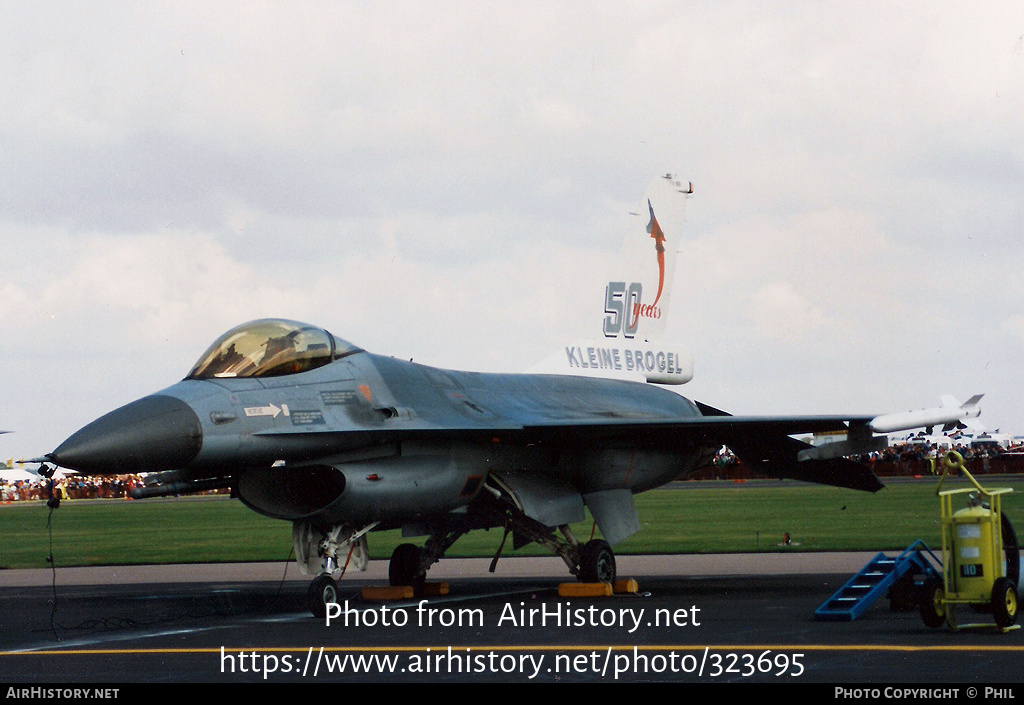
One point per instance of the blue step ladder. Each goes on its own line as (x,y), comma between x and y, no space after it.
(875,579)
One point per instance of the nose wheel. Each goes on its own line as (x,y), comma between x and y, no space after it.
(323,591)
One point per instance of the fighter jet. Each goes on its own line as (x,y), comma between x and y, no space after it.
(309,428)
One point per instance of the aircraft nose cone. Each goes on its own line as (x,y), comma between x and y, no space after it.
(155,433)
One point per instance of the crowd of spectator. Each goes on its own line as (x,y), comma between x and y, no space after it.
(72,487)
(911,451)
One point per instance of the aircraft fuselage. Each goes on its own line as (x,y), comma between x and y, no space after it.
(372,438)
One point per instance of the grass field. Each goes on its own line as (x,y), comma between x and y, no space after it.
(718,518)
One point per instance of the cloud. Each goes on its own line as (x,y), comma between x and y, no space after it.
(449,184)
(779,311)
(1014,326)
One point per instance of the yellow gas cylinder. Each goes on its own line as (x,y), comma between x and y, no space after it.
(974,553)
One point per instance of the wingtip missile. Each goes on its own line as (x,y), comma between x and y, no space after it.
(950,412)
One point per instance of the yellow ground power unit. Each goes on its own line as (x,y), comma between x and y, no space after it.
(979,569)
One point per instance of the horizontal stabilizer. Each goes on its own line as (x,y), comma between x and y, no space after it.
(775,454)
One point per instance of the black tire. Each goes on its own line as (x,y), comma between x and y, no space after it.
(1011,549)
(1004,602)
(903,595)
(597,562)
(933,611)
(322,592)
(404,568)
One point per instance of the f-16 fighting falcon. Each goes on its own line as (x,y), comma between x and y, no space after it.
(309,428)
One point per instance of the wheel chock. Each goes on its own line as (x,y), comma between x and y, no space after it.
(403,592)
(625,587)
(388,592)
(584,589)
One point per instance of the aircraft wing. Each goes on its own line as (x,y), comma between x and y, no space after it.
(762,442)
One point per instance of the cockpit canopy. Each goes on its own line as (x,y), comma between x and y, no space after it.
(269,347)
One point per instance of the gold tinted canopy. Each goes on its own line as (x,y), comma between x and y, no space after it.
(269,347)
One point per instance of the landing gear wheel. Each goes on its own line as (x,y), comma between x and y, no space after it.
(1004,602)
(933,611)
(597,562)
(404,568)
(323,591)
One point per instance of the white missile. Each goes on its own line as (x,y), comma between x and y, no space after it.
(949,413)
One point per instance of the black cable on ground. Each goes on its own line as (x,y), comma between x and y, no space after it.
(53,567)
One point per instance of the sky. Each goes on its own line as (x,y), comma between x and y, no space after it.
(448,182)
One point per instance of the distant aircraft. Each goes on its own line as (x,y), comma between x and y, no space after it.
(308,428)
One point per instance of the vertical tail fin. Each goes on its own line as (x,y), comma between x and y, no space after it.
(638,295)
(629,342)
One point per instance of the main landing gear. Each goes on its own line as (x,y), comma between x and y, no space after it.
(590,562)
(322,551)
(406,567)
(596,563)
